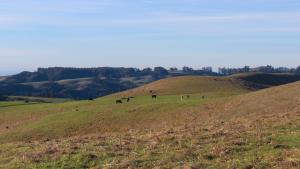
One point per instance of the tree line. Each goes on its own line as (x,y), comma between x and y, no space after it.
(262,69)
(61,73)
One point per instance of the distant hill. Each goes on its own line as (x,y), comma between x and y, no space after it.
(82,88)
(81,83)
(85,83)
(269,79)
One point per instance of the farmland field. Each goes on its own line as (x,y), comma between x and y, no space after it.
(217,127)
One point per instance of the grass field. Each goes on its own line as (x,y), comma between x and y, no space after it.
(230,128)
(103,115)
(38,99)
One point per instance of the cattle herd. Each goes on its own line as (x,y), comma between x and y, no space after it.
(153,96)
(124,99)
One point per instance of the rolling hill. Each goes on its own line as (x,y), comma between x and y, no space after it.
(85,83)
(189,85)
(82,83)
(235,126)
(238,84)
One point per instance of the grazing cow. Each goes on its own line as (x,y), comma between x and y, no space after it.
(128,99)
(186,96)
(119,101)
(154,96)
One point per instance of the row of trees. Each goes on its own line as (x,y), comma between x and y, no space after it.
(230,71)
(186,69)
(263,69)
(61,73)
(122,72)
(58,73)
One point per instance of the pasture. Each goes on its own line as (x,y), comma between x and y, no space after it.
(233,128)
(50,120)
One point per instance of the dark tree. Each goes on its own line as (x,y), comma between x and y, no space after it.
(3,98)
(207,69)
(173,69)
(146,71)
(186,69)
(161,71)
(297,70)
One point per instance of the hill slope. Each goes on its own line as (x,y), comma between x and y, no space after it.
(190,85)
(235,84)
(276,100)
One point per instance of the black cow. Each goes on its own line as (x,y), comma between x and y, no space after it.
(119,101)
(186,96)
(154,96)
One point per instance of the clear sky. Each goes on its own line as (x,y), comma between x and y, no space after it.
(141,33)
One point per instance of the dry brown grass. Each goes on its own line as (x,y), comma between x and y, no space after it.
(189,85)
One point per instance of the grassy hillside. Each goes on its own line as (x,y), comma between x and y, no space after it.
(230,128)
(190,85)
(103,115)
(207,85)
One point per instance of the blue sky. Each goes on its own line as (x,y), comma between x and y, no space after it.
(142,33)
